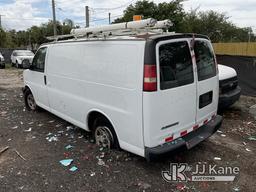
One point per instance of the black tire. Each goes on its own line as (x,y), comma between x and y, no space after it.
(100,123)
(27,97)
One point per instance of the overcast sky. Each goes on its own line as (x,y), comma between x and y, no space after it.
(22,14)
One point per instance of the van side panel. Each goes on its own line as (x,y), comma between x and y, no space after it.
(100,75)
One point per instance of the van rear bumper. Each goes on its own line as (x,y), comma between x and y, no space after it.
(190,140)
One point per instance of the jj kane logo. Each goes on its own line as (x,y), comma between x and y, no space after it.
(200,172)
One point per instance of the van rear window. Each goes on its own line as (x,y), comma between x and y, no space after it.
(176,67)
(205,60)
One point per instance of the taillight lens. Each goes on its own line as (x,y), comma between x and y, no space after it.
(150,80)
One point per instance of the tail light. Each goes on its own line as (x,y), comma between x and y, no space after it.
(150,80)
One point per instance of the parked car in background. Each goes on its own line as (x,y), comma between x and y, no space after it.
(229,89)
(2,62)
(142,94)
(22,58)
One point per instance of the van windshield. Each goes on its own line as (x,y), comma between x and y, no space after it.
(176,67)
(205,60)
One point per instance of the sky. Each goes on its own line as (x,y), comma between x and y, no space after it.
(22,14)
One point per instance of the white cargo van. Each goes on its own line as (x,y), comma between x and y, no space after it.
(147,94)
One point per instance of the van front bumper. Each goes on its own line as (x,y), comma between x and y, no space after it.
(188,141)
(228,99)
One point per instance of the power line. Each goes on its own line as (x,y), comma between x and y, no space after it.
(113,8)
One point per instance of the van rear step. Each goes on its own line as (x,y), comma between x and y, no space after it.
(189,141)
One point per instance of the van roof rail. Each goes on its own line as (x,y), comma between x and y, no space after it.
(149,26)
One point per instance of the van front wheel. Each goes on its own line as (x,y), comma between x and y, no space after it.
(104,134)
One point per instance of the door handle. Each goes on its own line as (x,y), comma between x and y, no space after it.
(45,81)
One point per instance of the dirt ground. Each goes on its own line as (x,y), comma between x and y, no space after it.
(38,141)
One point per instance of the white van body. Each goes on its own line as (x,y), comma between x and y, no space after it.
(83,76)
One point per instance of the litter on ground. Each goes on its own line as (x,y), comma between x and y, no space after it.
(66,162)
(69,147)
(73,169)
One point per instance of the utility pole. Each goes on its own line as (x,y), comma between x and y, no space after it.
(109,18)
(1,21)
(54,19)
(87,24)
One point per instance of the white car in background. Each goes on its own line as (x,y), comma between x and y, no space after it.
(229,90)
(2,62)
(22,58)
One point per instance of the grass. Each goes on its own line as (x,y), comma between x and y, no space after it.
(8,66)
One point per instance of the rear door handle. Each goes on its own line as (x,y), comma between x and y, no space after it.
(45,81)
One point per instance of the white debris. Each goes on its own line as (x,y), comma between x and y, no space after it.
(236,189)
(249,150)
(69,128)
(15,127)
(101,162)
(92,174)
(28,130)
(52,138)
(223,135)
(217,158)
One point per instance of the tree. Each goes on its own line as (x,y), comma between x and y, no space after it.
(2,37)
(215,25)
(148,9)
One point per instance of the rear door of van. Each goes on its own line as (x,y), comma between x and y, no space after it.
(171,110)
(207,81)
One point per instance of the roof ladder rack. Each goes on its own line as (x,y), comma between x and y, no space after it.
(119,29)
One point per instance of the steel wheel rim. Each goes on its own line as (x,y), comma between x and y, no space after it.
(103,137)
(31,102)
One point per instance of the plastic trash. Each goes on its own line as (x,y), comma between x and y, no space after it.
(28,130)
(15,127)
(252,138)
(66,162)
(68,147)
(52,138)
(73,169)
(217,158)
(236,189)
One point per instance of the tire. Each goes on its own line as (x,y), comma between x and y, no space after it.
(104,134)
(30,102)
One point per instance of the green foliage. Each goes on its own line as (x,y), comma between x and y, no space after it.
(34,36)
(148,9)
(213,24)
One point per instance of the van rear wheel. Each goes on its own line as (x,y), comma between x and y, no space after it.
(30,101)
(104,134)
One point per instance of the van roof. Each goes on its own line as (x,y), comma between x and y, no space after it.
(141,37)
